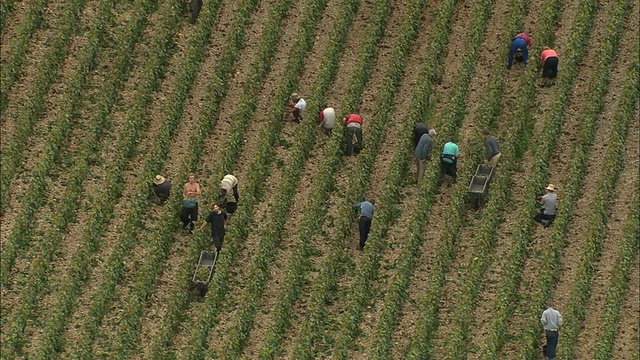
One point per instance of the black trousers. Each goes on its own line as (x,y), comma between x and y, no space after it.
(447,168)
(542,216)
(187,216)
(552,343)
(364,226)
(217,241)
(550,68)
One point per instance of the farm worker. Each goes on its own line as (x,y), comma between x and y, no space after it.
(449,160)
(549,62)
(327,119)
(548,211)
(190,195)
(298,107)
(353,128)
(422,152)
(364,223)
(161,188)
(228,195)
(218,220)
(519,49)
(419,129)
(551,321)
(492,149)
(194,8)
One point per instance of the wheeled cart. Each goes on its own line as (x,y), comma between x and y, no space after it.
(479,185)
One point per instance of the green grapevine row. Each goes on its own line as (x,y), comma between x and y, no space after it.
(55,143)
(508,287)
(271,233)
(114,270)
(259,170)
(575,312)
(620,278)
(215,93)
(12,66)
(586,135)
(314,215)
(66,213)
(333,266)
(35,105)
(102,206)
(397,293)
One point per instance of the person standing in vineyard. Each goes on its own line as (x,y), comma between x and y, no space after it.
(327,119)
(353,128)
(218,220)
(549,62)
(449,160)
(228,195)
(551,321)
(191,195)
(548,211)
(419,129)
(364,223)
(519,49)
(492,149)
(422,152)
(298,106)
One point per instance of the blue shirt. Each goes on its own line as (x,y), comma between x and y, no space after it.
(366,209)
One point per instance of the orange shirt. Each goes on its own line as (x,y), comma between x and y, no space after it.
(547,54)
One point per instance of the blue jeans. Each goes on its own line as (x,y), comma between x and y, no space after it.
(518,43)
(552,343)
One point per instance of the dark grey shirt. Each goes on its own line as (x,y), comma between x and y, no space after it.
(366,209)
(162,190)
(424,147)
(418,130)
(492,147)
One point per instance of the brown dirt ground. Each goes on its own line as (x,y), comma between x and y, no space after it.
(559,169)
(156,305)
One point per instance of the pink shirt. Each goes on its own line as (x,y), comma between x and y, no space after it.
(547,54)
(526,38)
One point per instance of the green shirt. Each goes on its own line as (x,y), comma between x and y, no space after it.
(450,148)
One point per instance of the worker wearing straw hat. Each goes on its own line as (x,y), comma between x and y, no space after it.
(548,210)
(161,188)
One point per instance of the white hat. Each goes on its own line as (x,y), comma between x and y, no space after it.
(159,179)
(432,132)
(550,187)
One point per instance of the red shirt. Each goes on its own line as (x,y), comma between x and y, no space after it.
(547,54)
(353,118)
(526,38)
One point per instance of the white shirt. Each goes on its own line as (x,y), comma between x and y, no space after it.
(551,319)
(329,119)
(301,104)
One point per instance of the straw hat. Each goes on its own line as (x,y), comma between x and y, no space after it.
(159,179)
(550,187)
(295,97)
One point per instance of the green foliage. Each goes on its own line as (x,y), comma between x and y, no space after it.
(47,74)
(12,66)
(573,187)
(102,205)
